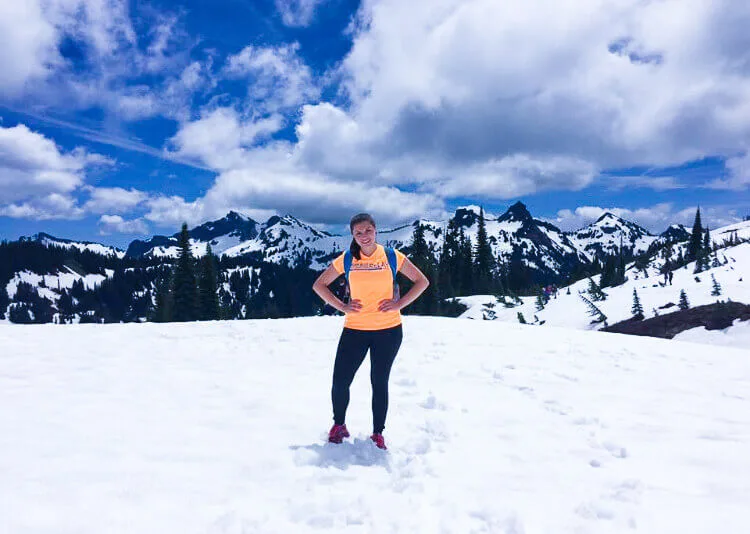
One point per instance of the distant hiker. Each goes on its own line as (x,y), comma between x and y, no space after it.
(373,319)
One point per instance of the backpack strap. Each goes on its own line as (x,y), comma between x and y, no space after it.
(393,262)
(347,264)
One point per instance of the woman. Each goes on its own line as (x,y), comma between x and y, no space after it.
(373,320)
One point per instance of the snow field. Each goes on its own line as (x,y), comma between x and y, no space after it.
(571,312)
(492,428)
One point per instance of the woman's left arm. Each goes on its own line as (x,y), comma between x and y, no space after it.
(421,283)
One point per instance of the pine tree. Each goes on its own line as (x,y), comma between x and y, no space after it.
(715,287)
(484,261)
(596,313)
(184,285)
(208,288)
(539,301)
(162,312)
(595,291)
(521,318)
(705,251)
(466,265)
(684,304)
(637,309)
(695,244)
(715,261)
(422,257)
(4,301)
(448,268)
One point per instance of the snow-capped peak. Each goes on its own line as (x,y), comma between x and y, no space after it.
(608,234)
(97,248)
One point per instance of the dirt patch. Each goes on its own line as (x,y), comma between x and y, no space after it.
(715,316)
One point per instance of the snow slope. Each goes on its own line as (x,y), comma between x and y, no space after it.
(209,428)
(572,312)
(96,248)
(736,335)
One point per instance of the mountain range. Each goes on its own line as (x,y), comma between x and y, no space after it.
(515,234)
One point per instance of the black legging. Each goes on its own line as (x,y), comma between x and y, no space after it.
(353,345)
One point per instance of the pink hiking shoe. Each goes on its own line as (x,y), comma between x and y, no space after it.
(379,441)
(337,433)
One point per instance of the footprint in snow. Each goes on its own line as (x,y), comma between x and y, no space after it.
(431,403)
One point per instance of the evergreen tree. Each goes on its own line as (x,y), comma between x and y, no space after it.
(696,238)
(715,260)
(422,257)
(466,265)
(4,301)
(684,304)
(637,309)
(521,318)
(539,301)
(208,287)
(484,260)
(162,312)
(594,311)
(184,286)
(704,256)
(595,291)
(715,287)
(451,258)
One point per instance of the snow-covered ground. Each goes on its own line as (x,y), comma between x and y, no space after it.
(211,428)
(737,335)
(569,310)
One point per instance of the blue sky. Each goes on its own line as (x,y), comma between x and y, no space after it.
(120,120)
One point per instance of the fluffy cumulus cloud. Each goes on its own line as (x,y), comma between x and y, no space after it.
(113,199)
(32,165)
(44,207)
(272,182)
(459,92)
(221,137)
(436,99)
(40,180)
(656,218)
(114,224)
(28,49)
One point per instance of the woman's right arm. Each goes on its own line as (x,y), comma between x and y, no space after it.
(321,288)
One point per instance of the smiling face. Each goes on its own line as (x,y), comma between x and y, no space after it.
(364,234)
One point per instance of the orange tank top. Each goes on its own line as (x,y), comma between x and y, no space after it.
(370,281)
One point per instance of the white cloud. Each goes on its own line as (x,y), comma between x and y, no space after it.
(277,77)
(38,180)
(105,60)
(270,181)
(220,137)
(514,176)
(110,224)
(656,218)
(27,46)
(466,89)
(32,165)
(113,199)
(738,174)
(174,210)
(51,206)
(298,12)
